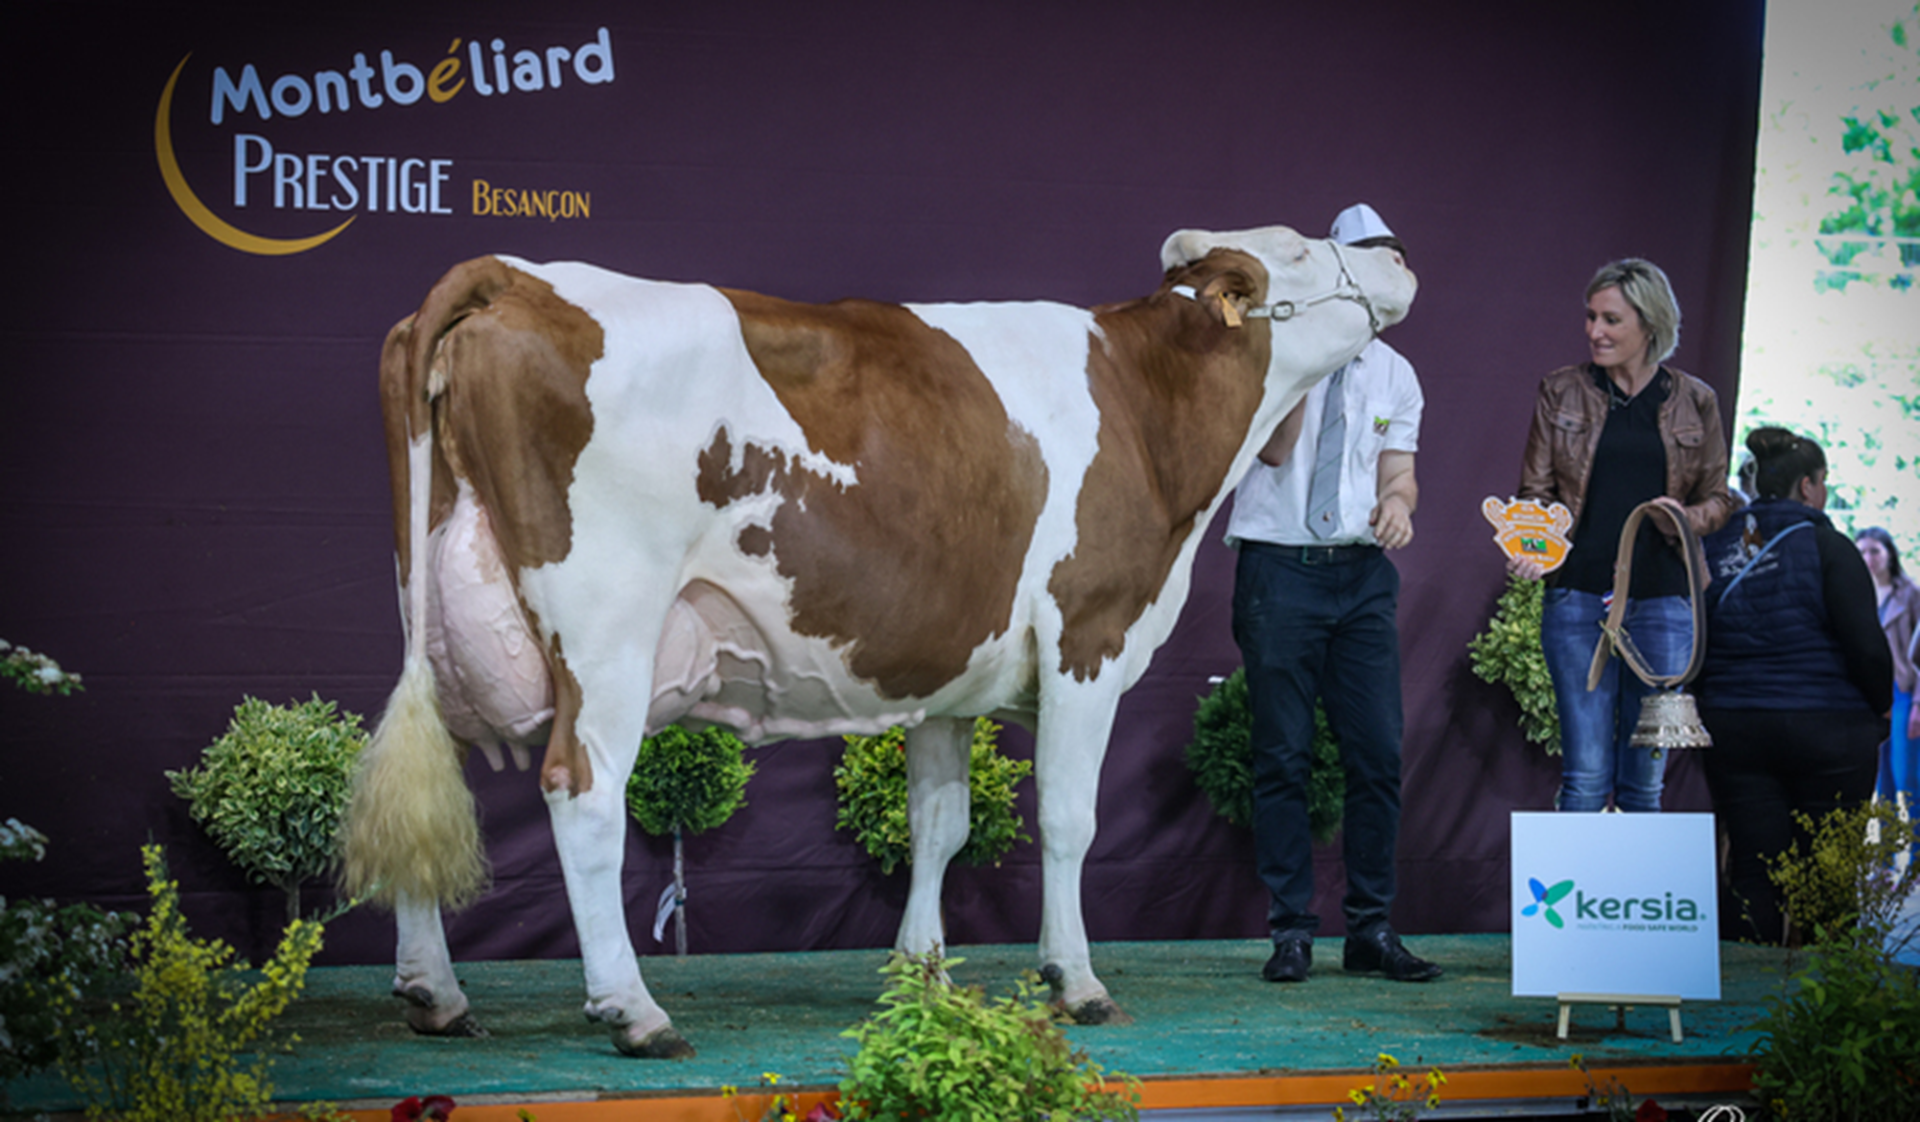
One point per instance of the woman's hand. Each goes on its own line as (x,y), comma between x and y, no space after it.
(1526,568)
(1679,512)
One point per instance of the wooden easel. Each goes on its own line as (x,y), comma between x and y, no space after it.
(1621,1002)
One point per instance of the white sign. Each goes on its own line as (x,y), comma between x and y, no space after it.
(1615,903)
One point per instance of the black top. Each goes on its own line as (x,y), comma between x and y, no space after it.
(1854,610)
(1629,468)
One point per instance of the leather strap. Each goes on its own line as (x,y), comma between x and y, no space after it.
(1613,632)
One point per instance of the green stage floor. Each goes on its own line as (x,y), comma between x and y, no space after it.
(1199,1009)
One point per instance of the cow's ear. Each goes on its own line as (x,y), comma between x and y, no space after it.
(1228,294)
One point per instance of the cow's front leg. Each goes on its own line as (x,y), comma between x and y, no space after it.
(938,753)
(1069,746)
(423,973)
(589,831)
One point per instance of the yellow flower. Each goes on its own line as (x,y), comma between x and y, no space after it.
(1385,1060)
(1358,1095)
(727,1091)
(1437,1077)
(772,1077)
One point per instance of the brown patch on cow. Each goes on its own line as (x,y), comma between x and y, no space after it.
(1176,385)
(565,765)
(514,416)
(915,565)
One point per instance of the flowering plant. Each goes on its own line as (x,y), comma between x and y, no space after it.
(782,1107)
(35,672)
(189,1043)
(1394,1096)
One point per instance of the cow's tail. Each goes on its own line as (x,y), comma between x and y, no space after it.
(411,826)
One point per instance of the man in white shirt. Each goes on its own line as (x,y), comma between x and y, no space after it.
(1313,613)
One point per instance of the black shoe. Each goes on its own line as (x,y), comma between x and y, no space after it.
(1291,960)
(1381,953)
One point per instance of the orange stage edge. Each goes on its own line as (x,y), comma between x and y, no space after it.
(1488,1085)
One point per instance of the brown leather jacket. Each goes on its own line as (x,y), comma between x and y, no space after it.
(1568,417)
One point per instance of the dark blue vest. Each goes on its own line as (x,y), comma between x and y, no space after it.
(1770,644)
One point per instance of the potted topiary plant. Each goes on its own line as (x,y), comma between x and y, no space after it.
(686,783)
(270,791)
(1221,759)
(1508,654)
(871,781)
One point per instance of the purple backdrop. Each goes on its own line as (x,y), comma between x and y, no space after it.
(195,506)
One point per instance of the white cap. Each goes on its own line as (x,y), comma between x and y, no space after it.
(1357,223)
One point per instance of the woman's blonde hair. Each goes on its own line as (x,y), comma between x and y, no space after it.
(1647,290)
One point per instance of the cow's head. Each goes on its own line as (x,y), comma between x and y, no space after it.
(1324,300)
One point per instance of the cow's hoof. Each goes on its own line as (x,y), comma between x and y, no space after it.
(1098,1011)
(660,1044)
(1093,1011)
(424,1015)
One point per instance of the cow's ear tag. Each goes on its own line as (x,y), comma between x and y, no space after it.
(1232,313)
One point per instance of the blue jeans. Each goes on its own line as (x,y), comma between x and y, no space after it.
(1595,726)
(1898,759)
(1321,631)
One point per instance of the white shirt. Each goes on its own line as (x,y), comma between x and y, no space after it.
(1383,404)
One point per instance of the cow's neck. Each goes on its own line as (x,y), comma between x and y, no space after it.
(1184,389)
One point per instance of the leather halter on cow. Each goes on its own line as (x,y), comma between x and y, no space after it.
(800,521)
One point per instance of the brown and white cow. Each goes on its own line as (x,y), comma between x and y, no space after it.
(621,503)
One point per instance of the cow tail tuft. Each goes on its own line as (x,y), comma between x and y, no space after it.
(411,824)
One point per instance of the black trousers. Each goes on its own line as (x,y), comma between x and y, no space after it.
(1313,627)
(1764,765)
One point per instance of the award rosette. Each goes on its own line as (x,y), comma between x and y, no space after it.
(1527,531)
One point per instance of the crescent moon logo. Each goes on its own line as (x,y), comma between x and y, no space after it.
(196,211)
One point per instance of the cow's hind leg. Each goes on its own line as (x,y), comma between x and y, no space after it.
(938,752)
(1069,745)
(423,973)
(586,799)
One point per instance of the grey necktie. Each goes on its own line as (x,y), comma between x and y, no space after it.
(1323,493)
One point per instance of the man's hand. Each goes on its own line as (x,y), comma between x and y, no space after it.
(1392,522)
(1392,517)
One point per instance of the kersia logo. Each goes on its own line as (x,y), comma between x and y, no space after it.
(1664,912)
(1545,898)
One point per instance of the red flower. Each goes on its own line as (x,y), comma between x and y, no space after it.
(435,1108)
(1650,1111)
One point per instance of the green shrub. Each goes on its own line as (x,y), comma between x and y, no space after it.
(1508,654)
(45,950)
(191,1041)
(1221,759)
(940,1051)
(271,790)
(872,784)
(1842,1038)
